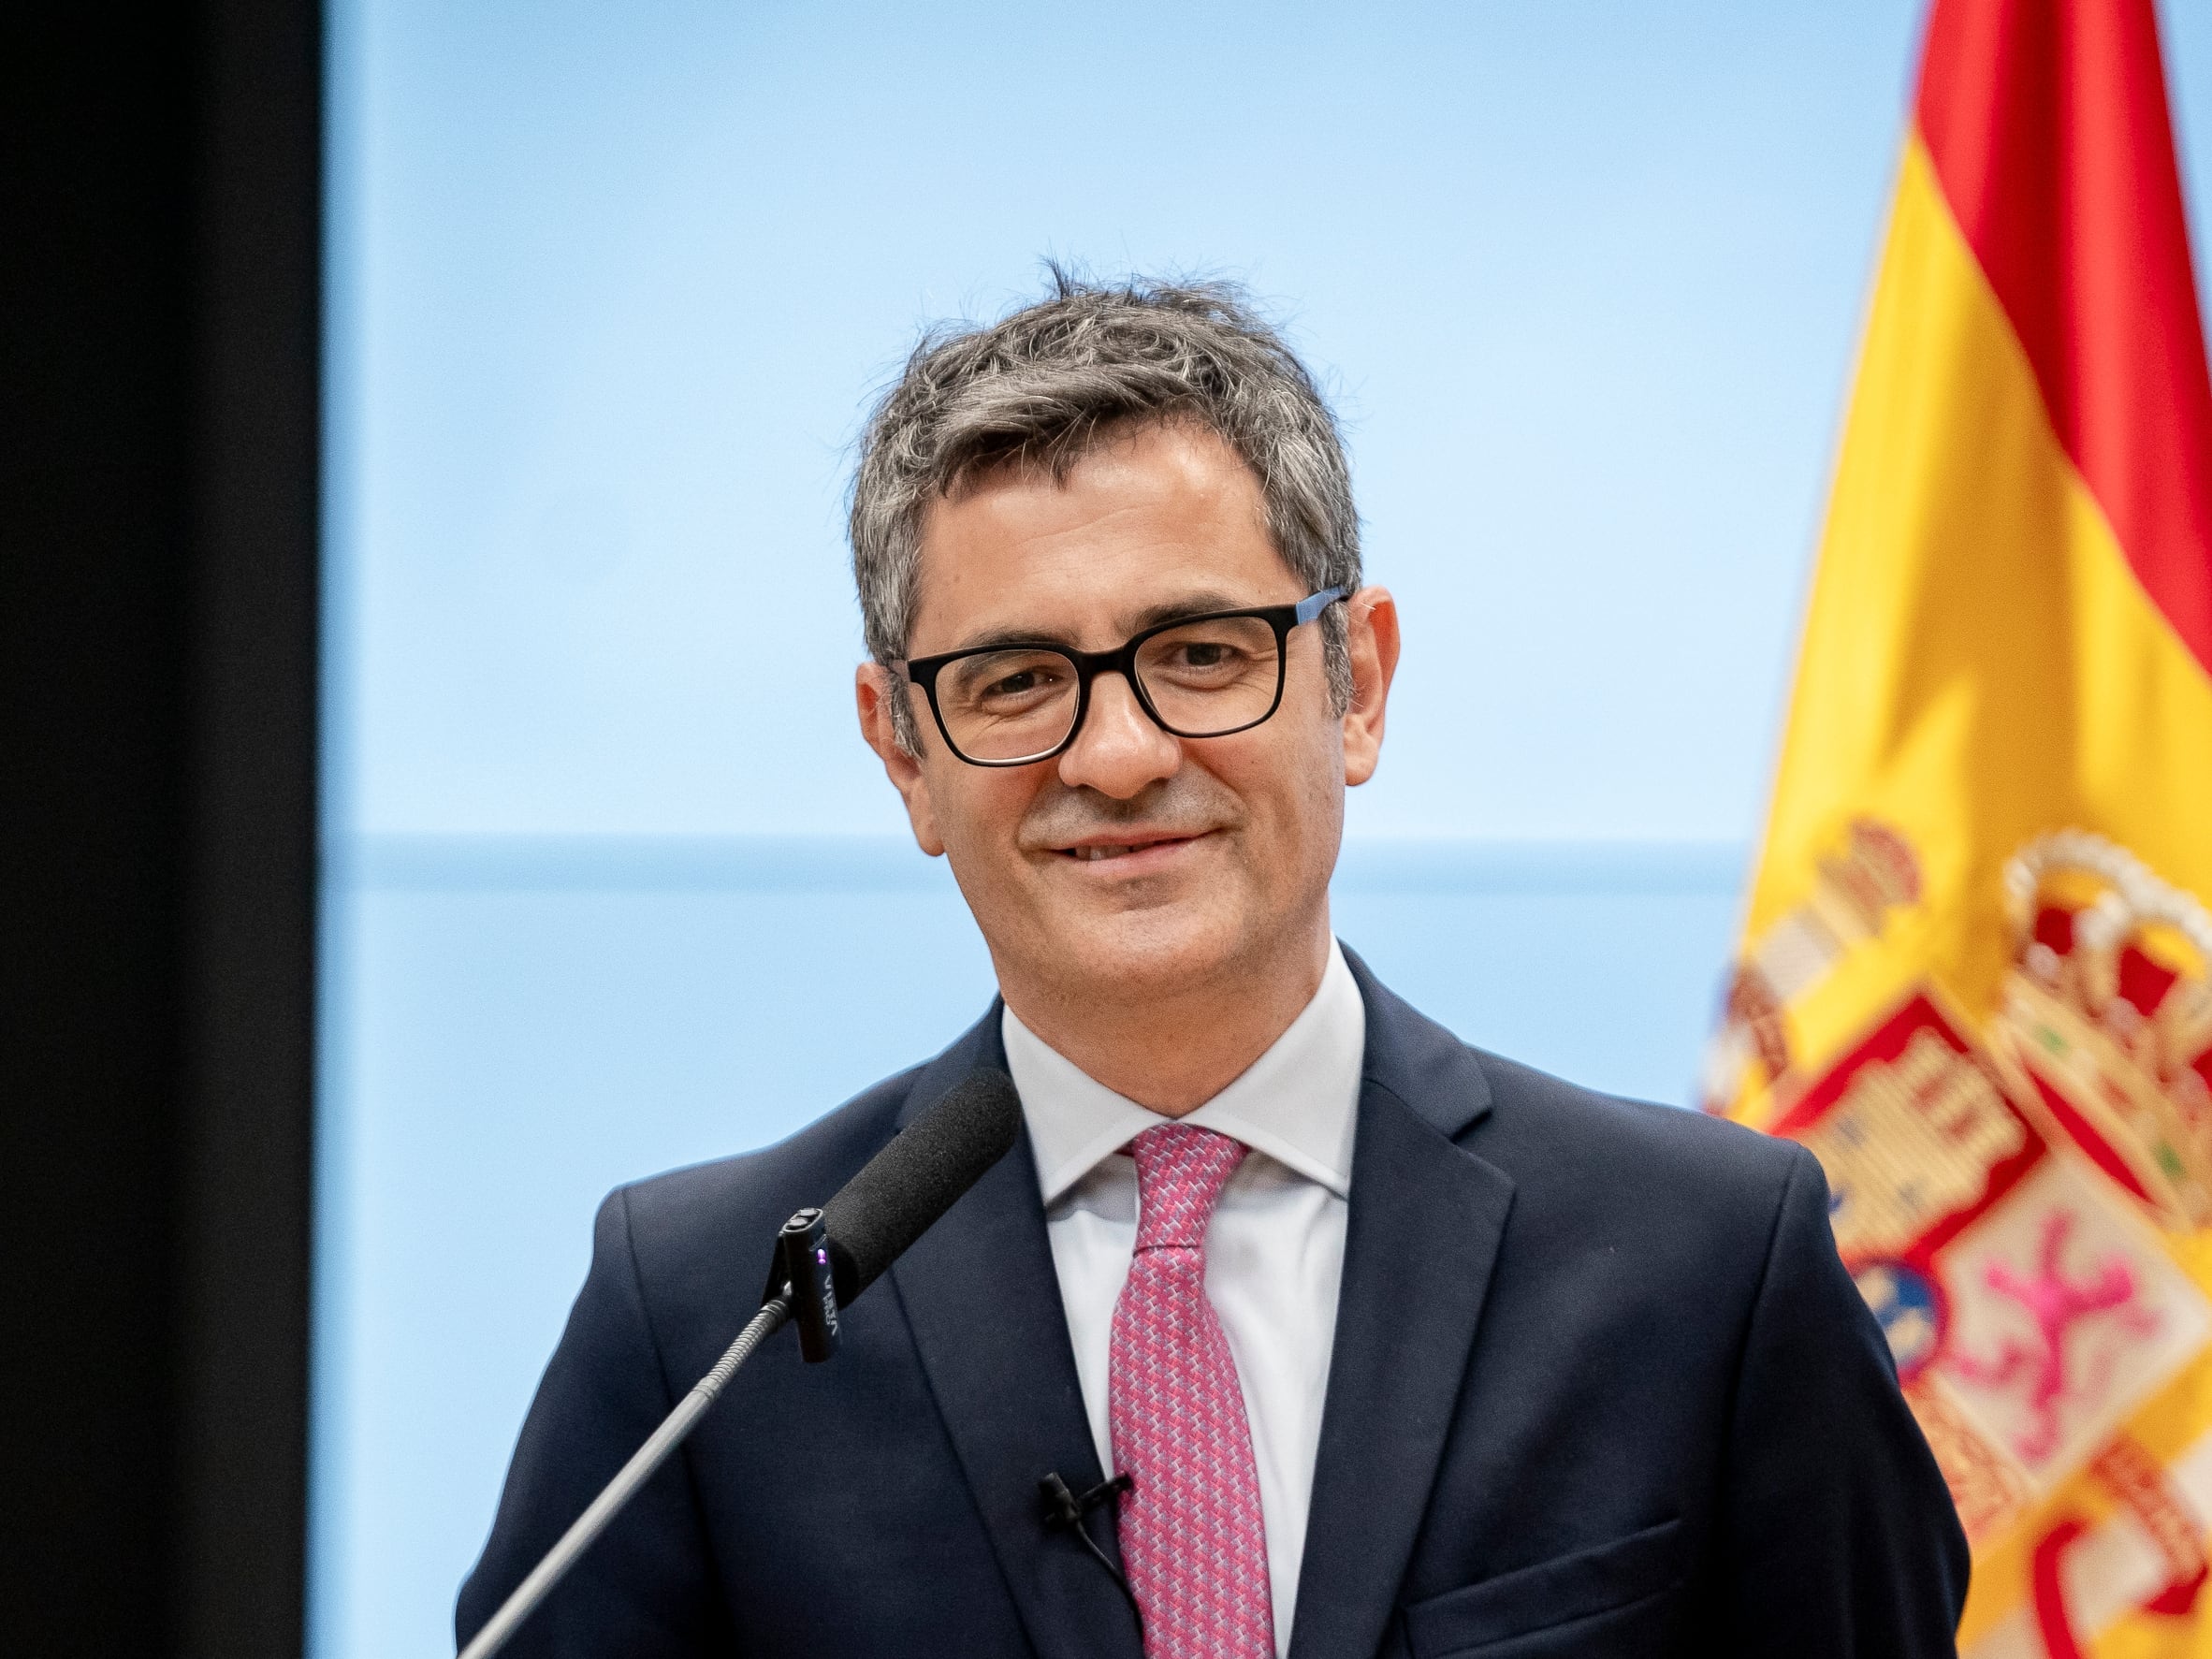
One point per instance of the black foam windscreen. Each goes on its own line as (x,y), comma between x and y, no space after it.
(919,1175)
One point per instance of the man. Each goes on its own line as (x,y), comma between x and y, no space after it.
(1403,1349)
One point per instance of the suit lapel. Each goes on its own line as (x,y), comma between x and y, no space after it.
(983,1304)
(1425,1221)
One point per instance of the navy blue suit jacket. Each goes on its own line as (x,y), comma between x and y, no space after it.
(1600,1387)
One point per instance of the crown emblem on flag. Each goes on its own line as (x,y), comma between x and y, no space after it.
(2105,1027)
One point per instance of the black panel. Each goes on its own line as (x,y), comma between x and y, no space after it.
(159,195)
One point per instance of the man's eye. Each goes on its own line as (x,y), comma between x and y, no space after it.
(1025,683)
(1210,657)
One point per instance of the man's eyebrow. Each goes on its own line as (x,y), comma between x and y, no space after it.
(1190,605)
(1187,604)
(1011,636)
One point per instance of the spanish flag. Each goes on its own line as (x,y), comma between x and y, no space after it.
(1975,976)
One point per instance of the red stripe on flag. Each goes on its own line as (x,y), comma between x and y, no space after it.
(2050,1591)
(2046,122)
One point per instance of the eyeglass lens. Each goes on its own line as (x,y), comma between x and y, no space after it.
(1203,679)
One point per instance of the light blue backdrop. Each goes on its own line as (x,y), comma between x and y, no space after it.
(611,885)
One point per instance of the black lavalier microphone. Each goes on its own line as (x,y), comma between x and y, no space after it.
(1064,1507)
(824,1258)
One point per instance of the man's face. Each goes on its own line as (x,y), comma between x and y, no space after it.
(1135,862)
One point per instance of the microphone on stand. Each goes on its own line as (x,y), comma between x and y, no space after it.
(824,1258)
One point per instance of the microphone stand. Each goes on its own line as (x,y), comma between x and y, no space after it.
(635,1472)
(898,1195)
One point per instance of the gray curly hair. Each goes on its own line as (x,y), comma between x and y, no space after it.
(1045,385)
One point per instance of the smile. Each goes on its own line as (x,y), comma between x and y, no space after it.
(1103,851)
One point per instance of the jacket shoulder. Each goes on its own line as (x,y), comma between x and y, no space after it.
(1543,1131)
(1660,1171)
(1546,1108)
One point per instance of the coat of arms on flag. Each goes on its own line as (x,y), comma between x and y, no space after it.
(1975,976)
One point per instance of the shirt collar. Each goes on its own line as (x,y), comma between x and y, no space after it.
(1297,1102)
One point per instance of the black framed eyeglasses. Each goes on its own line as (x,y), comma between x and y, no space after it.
(1197,677)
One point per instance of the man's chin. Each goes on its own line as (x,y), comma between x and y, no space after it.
(1144,953)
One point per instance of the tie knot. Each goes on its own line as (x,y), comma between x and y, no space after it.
(1181,1171)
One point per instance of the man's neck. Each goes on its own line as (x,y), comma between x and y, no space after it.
(1172,1052)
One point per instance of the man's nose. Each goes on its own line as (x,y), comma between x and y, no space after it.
(1120,750)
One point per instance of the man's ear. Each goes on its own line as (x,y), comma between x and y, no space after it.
(1370,627)
(873,686)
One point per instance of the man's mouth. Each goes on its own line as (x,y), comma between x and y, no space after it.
(1098,851)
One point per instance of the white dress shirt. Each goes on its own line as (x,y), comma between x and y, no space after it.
(1274,1250)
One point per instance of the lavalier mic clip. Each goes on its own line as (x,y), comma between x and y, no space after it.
(1067,1509)
(1062,1507)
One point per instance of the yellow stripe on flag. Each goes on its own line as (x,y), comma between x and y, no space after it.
(1980,665)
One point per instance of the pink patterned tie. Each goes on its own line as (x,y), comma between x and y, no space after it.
(1192,1538)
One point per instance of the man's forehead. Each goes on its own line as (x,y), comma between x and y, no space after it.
(1152,440)
(1172,467)
(1166,523)
(1120,600)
